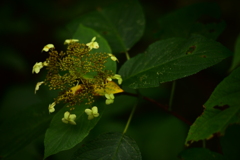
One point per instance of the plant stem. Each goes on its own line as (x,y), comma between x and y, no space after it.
(130,118)
(165,108)
(127,55)
(134,107)
(171,96)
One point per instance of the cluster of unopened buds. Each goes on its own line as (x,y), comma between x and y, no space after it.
(76,63)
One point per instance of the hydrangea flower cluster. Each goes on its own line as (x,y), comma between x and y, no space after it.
(79,75)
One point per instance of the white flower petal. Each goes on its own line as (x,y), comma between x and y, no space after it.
(37,67)
(95,111)
(66,115)
(118,77)
(51,108)
(64,120)
(109,79)
(107,96)
(90,117)
(47,47)
(109,101)
(68,41)
(88,111)
(37,86)
(111,96)
(72,117)
(112,57)
(69,118)
(72,122)
(45,63)
(92,44)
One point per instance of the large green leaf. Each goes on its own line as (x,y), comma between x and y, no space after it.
(236,57)
(21,129)
(122,24)
(61,136)
(221,109)
(200,154)
(109,146)
(85,35)
(171,59)
(200,18)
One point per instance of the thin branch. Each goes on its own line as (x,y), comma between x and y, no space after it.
(165,108)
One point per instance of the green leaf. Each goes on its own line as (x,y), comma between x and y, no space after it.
(21,129)
(221,109)
(200,154)
(200,18)
(236,57)
(230,143)
(122,24)
(171,59)
(85,35)
(61,136)
(109,146)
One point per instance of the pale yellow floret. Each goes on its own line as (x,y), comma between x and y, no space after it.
(95,111)
(92,44)
(51,108)
(113,57)
(116,76)
(68,41)
(45,63)
(69,118)
(109,79)
(37,86)
(37,67)
(92,112)
(47,47)
(110,98)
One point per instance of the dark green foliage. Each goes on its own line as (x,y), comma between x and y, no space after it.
(108,146)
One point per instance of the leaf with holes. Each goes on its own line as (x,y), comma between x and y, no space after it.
(171,59)
(221,110)
(109,146)
(61,136)
(200,18)
(122,24)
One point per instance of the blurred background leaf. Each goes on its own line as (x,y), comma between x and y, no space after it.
(230,142)
(112,145)
(121,29)
(236,56)
(199,18)
(199,154)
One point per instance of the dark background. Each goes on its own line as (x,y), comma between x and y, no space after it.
(26,26)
